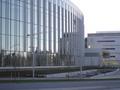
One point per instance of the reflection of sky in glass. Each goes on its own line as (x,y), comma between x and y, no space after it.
(17,25)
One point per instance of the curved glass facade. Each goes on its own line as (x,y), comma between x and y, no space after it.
(47,27)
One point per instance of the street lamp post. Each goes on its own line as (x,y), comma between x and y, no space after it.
(33,63)
(80,65)
(33,60)
(2,52)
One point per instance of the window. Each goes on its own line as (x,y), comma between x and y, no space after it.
(12,11)
(16,12)
(21,14)
(112,56)
(12,27)
(3,9)
(109,48)
(0,9)
(35,15)
(21,28)
(106,41)
(29,15)
(3,26)
(0,34)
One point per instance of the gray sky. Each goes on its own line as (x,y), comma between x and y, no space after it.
(100,15)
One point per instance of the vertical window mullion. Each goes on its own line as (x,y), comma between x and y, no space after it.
(44,25)
(49,25)
(54,26)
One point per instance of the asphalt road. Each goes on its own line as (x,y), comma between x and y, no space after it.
(76,85)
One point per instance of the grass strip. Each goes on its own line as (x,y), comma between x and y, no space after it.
(54,80)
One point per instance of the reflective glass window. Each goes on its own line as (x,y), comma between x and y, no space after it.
(21,43)
(7,10)
(0,26)
(21,13)
(28,14)
(12,11)
(21,29)
(35,2)
(3,26)
(35,15)
(0,8)
(3,9)
(16,12)
(41,3)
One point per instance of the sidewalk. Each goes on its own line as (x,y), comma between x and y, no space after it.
(114,74)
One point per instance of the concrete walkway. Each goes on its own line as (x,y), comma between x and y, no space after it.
(114,74)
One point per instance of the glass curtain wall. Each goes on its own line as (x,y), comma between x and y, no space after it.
(46,27)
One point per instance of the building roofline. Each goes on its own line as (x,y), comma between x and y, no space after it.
(106,33)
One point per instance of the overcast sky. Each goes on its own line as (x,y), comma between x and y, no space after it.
(100,15)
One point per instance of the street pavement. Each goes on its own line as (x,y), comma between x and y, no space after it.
(69,85)
(64,85)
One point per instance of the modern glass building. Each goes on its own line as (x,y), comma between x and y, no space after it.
(38,26)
